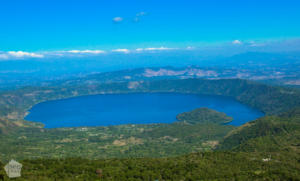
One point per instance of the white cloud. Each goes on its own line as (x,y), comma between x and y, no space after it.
(121,50)
(161,48)
(117,19)
(237,42)
(10,55)
(139,49)
(190,48)
(86,51)
(21,54)
(154,49)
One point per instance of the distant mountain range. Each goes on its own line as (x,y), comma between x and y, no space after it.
(276,68)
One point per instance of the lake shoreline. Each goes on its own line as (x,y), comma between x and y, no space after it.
(216,102)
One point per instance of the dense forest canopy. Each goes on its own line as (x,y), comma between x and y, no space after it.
(204,115)
(268,149)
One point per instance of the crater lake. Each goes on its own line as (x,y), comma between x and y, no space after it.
(137,108)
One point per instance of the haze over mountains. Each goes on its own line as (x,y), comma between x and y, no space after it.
(278,68)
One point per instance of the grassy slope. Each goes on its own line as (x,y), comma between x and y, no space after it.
(8,126)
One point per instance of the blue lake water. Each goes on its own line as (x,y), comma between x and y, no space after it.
(140,108)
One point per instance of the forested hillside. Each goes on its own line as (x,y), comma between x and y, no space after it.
(204,115)
(198,166)
(123,141)
(265,149)
(270,133)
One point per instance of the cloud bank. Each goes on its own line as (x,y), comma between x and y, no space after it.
(121,50)
(86,51)
(19,55)
(230,46)
(65,53)
(155,49)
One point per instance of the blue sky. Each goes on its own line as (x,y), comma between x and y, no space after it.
(54,25)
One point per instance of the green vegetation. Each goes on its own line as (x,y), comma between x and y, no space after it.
(204,115)
(7,126)
(268,149)
(198,166)
(153,140)
(2,172)
(264,149)
(270,133)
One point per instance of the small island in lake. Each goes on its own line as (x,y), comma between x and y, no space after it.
(204,115)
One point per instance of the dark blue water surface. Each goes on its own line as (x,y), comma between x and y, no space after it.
(141,108)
